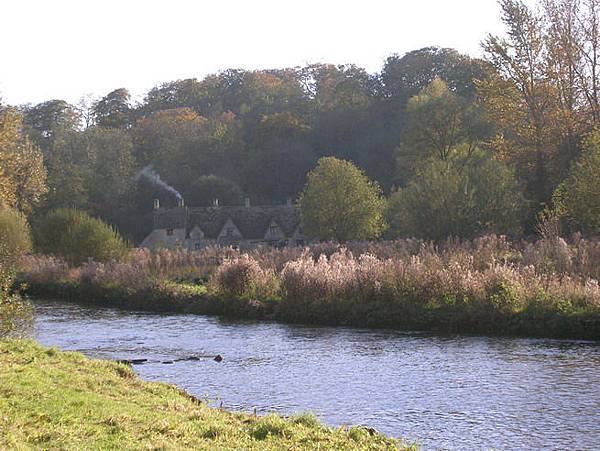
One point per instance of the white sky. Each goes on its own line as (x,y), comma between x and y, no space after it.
(67,48)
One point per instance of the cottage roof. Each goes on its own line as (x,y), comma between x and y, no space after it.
(173,218)
(252,222)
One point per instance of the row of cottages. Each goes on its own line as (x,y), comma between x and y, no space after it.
(240,227)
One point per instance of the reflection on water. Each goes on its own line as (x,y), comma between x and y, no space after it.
(445,392)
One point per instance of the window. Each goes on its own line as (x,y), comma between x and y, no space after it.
(169,232)
(229,231)
(299,242)
(273,229)
(198,245)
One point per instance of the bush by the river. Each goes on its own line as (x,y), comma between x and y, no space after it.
(15,236)
(458,198)
(15,240)
(488,285)
(77,237)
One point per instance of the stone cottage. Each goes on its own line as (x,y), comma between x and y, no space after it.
(241,227)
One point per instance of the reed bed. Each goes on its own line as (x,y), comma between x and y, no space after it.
(547,287)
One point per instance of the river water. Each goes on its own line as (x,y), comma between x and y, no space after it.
(445,392)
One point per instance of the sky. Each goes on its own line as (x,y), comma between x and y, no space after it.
(65,49)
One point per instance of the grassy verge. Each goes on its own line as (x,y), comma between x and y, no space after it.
(56,400)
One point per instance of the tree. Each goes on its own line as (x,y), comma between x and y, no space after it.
(45,120)
(15,240)
(440,125)
(68,170)
(182,145)
(342,87)
(451,199)
(85,108)
(188,93)
(345,118)
(573,45)
(578,197)
(76,236)
(15,236)
(279,156)
(404,76)
(109,180)
(168,141)
(22,183)
(22,171)
(114,110)
(339,202)
(522,100)
(209,187)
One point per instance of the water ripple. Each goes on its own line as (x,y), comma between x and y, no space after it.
(446,392)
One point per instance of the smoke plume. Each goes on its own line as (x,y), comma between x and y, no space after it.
(151,175)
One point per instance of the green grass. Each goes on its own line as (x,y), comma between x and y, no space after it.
(57,400)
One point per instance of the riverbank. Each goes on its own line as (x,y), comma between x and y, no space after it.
(51,399)
(488,286)
(539,321)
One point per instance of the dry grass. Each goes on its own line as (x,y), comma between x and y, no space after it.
(488,284)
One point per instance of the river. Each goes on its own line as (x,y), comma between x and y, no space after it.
(445,392)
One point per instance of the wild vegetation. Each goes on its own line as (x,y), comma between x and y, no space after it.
(66,401)
(76,237)
(340,203)
(15,240)
(488,285)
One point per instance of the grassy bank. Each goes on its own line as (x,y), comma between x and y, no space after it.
(56,400)
(546,288)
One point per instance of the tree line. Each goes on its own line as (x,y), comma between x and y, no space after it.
(458,145)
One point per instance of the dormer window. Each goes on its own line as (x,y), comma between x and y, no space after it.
(229,231)
(273,229)
(169,232)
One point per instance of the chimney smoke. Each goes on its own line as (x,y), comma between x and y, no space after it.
(149,174)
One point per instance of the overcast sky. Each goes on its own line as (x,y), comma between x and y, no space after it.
(67,48)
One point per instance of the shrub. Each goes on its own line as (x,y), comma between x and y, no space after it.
(454,199)
(15,237)
(77,237)
(41,269)
(16,315)
(339,202)
(577,197)
(243,276)
(15,240)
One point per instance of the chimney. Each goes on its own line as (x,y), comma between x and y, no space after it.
(215,202)
(288,202)
(180,202)
(247,202)
(156,204)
